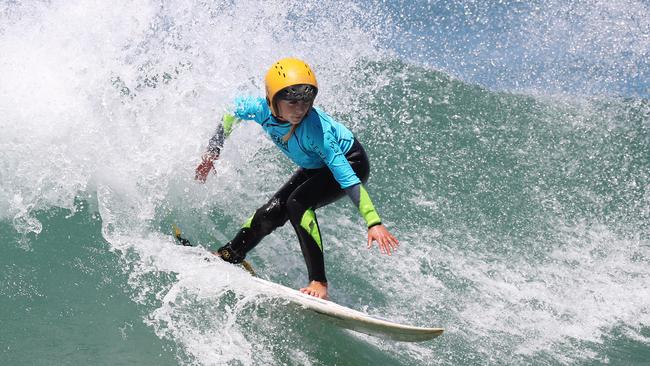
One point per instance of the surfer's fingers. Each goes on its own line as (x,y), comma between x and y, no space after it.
(387,250)
(384,245)
(380,246)
(394,243)
(372,238)
(390,243)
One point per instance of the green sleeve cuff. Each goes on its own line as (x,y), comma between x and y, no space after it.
(367,209)
(229,121)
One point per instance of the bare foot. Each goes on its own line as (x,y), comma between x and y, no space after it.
(317,289)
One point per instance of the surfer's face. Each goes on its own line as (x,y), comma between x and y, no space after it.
(293,110)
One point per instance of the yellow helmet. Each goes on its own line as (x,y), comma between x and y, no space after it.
(285,73)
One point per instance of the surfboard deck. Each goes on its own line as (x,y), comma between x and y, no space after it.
(353,319)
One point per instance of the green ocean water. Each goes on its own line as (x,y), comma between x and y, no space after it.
(65,300)
(523,215)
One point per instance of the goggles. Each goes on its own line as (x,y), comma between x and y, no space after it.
(302,92)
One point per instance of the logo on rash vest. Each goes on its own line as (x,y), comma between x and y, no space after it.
(278,140)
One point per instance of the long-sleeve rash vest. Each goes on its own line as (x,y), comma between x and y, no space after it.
(318,141)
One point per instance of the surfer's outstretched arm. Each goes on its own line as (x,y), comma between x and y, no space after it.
(376,230)
(214,147)
(328,148)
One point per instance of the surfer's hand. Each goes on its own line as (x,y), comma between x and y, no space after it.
(205,167)
(386,241)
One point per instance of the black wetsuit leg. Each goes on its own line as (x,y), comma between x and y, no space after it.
(267,218)
(307,190)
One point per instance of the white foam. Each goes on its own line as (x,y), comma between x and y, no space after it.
(117,100)
(78,119)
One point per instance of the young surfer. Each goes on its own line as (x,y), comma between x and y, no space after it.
(331,163)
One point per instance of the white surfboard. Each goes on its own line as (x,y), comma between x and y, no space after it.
(353,319)
(341,315)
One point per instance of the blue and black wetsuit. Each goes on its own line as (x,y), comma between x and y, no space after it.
(331,163)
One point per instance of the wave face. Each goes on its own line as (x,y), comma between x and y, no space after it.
(509,149)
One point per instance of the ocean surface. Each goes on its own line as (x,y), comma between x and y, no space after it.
(510,152)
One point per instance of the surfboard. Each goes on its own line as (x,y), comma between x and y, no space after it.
(339,314)
(350,318)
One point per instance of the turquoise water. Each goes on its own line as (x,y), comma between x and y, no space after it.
(516,180)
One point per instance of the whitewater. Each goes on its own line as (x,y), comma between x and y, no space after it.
(510,154)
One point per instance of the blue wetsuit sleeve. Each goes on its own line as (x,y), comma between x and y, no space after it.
(252,109)
(244,108)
